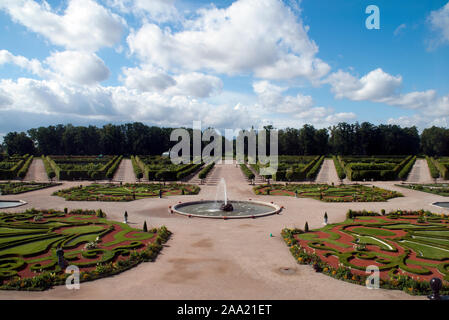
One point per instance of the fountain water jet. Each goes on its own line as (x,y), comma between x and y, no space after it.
(225,206)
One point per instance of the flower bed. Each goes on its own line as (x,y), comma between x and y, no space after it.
(409,248)
(22,187)
(327,193)
(98,247)
(125,192)
(441,189)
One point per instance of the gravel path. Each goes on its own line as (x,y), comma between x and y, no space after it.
(327,173)
(36,172)
(217,259)
(125,172)
(420,172)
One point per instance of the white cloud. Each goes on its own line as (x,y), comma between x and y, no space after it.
(439,21)
(78,67)
(299,108)
(377,85)
(85,25)
(262,37)
(194,84)
(34,66)
(53,98)
(156,10)
(400,29)
(271,97)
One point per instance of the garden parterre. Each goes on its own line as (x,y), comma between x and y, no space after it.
(22,187)
(125,192)
(328,193)
(295,168)
(408,247)
(158,168)
(98,247)
(360,168)
(81,167)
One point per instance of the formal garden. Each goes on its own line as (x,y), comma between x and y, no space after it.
(439,167)
(381,168)
(126,192)
(290,168)
(14,167)
(408,247)
(159,168)
(22,187)
(30,243)
(81,167)
(328,193)
(441,189)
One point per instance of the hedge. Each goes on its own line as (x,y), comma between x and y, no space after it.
(23,171)
(247,172)
(379,174)
(340,171)
(82,174)
(406,169)
(315,169)
(188,171)
(113,168)
(8,174)
(433,170)
(444,173)
(48,168)
(137,170)
(203,174)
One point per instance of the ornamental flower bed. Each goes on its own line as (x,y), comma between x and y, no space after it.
(22,187)
(125,192)
(28,246)
(327,193)
(408,247)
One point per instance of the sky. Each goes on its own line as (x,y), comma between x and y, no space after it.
(229,64)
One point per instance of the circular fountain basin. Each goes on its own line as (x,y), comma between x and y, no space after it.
(211,209)
(4,204)
(441,204)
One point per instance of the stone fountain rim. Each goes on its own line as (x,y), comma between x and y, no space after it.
(276,210)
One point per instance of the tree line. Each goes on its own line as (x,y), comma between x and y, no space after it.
(138,138)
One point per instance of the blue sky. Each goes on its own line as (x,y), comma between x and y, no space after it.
(229,64)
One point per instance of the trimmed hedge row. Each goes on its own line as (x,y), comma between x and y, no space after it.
(51,174)
(247,172)
(315,169)
(444,172)
(358,175)
(406,169)
(203,174)
(298,174)
(340,171)
(8,174)
(113,168)
(188,171)
(137,170)
(433,170)
(82,174)
(23,171)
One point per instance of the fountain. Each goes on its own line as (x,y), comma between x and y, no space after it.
(221,207)
(4,204)
(225,206)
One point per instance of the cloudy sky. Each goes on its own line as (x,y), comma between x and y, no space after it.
(230,64)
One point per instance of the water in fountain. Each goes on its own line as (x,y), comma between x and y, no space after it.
(221,185)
